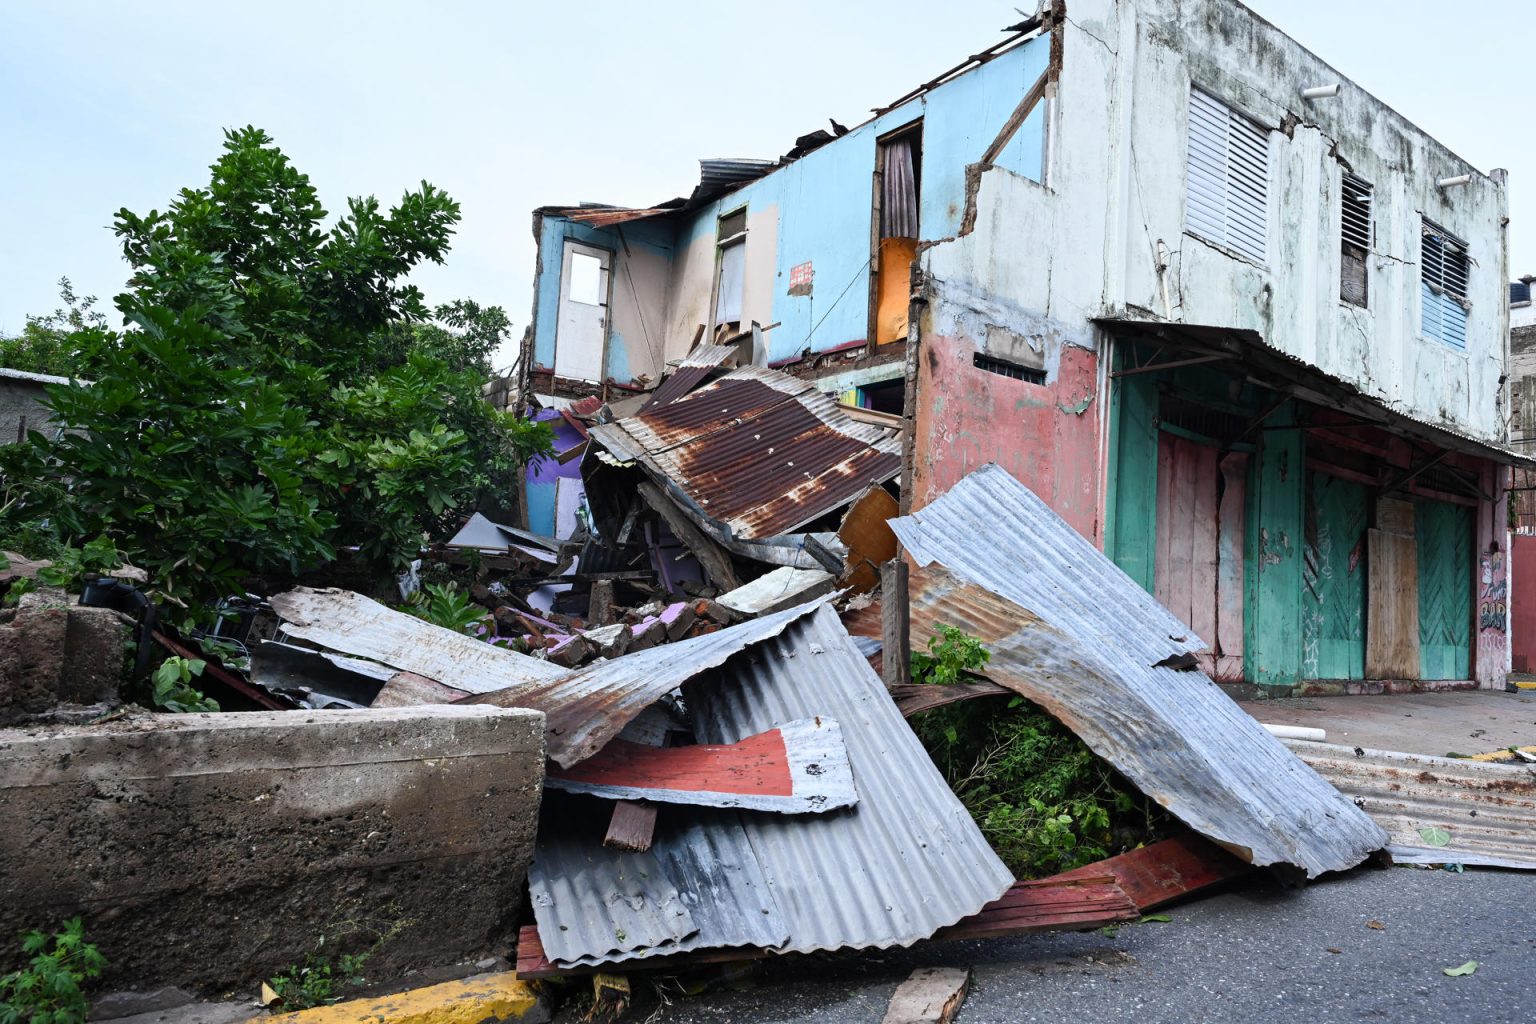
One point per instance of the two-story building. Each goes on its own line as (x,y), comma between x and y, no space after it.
(1239,322)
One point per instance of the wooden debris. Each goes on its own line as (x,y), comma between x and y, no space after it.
(895,624)
(632,827)
(407,689)
(1164,871)
(930,995)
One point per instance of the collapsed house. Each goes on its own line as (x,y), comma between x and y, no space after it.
(1234,319)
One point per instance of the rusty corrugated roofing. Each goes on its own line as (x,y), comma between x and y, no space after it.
(1071,632)
(690,373)
(757,451)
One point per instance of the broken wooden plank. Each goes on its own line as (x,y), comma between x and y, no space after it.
(798,768)
(1161,872)
(895,625)
(1047,904)
(930,995)
(914,698)
(866,533)
(632,827)
(712,555)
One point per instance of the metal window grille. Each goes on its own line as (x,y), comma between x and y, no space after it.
(1227,186)
(1007,369)
(1445,270)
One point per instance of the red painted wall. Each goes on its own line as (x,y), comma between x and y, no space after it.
(1522,604)
(1047,436)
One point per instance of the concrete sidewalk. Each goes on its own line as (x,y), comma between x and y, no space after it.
(1459,721)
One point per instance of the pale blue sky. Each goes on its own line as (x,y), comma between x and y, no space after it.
(510,106)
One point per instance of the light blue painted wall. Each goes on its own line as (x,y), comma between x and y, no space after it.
(824,205)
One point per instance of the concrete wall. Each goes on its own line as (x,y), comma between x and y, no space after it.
(22,405)
(210,851)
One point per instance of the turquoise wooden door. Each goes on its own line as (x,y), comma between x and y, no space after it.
(1333,579)
(1445,542)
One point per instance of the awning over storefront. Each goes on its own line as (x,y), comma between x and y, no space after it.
(1180,344)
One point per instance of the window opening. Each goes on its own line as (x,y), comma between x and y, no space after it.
(1007,369)
(1443,288)
(730,283)
(1355,238)
(899,171)
(585,284)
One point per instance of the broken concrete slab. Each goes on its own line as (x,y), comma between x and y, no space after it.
(212,850)
(56,654)
(930,995)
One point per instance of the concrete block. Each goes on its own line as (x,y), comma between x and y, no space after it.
(53,653)
(211,851)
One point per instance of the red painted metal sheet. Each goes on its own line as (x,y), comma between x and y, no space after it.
(1164,871)
(801,767)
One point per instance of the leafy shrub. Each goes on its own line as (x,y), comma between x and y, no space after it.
(70,564)
(172,688)
(951,653)
(48,989)
(1044,801)
(444,604)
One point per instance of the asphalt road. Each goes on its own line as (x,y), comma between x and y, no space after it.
(1254,954)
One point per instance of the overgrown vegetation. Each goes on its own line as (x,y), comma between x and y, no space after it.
(1044,801)
(444,604)
(49,989)
(319,981)
(279,392)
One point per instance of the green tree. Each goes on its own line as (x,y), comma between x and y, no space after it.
(46,344)
(260,409)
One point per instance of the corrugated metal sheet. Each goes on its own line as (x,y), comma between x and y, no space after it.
(585,709)
(759,452)
(690,373)
(798,768)
(1070,631)
(353,624)
(906,861)
(700,878)
(1488,810)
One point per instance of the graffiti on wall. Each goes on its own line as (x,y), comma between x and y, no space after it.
(1492,593)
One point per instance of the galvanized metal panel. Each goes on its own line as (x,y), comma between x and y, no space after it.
(690,373)
(797,768)
(585,709)
(1488,809)
(353,624)
(908,859)
(700,887)
(1073,633)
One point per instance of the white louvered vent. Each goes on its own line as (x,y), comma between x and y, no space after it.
(1446,269)
(1228,179)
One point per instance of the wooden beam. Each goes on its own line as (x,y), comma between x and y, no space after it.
(712,555)
(895,625)
(1011,126)
(1444,454)
(930,995)
(1172,364)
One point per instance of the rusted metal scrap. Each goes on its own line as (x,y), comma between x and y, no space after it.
(758,452)
(1070,631)
(797,768)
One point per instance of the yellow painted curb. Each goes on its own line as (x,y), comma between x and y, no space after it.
(1501,755)
(1525,684)
(491,997)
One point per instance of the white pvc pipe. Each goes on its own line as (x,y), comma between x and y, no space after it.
(1297,732)
(1320,92)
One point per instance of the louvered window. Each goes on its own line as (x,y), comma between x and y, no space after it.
(1355,241)
(1228,180)
(1444,286)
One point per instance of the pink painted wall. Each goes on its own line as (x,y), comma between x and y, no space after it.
(1491,658)
(1047,436)
(1522,603)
